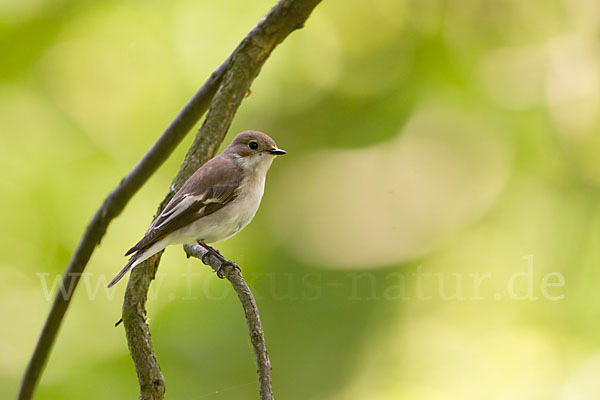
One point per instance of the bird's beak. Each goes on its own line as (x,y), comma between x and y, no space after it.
(277,152)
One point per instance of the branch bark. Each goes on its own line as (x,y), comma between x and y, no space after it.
(257,336)
(112,206)
(245,64)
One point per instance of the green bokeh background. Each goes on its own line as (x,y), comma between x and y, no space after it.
(432,144)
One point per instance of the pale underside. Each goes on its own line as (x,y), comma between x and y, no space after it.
(221,224)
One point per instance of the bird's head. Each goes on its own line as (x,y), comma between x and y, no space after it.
(253,150)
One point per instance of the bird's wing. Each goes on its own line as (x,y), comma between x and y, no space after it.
(209,189)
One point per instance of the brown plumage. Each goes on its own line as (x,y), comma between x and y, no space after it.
(214,184)
(217,201)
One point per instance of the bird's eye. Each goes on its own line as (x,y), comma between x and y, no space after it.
(253,145)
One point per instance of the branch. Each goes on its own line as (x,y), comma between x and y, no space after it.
(112,206)
(257,336)
(245,64)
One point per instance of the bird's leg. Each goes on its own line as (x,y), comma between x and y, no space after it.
(212,251)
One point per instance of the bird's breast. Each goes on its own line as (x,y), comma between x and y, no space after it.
(232,218)
(248,199)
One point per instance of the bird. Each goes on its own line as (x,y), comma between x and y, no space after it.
(215,203)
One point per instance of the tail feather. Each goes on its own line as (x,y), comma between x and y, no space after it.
(134,248)
(139,256)
(126,268)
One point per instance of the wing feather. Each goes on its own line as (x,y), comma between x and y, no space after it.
(209,189)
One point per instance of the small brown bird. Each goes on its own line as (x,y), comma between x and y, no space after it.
(215,203)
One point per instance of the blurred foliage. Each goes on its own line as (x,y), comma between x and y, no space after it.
(432,145)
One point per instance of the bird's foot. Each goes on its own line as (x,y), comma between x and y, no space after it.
(214,252)
(210,251)
(226,263)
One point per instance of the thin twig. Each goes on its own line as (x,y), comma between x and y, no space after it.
(257,336)
(112,206)
(246,62)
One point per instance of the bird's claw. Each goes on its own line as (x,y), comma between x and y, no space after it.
(211,251)
(219,271)
(204,258)
(226,263)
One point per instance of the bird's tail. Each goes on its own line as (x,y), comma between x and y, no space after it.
(125,269)
(140,255)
